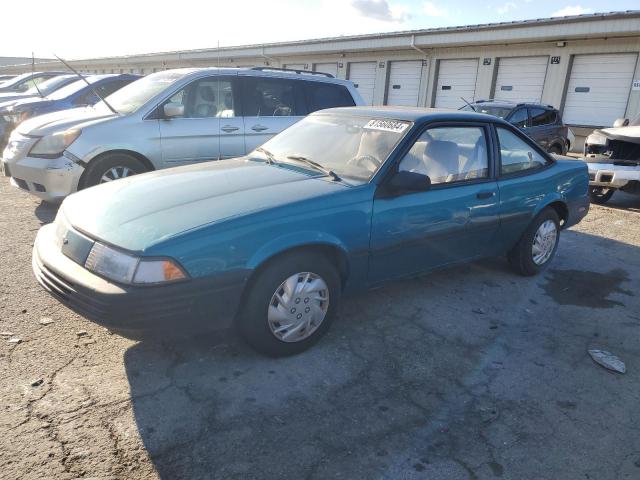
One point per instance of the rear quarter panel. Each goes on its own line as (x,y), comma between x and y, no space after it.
(524,197)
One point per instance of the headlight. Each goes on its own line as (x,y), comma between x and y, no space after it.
(124,268)
(596,139)
(53,145)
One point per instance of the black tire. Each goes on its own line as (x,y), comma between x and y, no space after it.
(600,195)
(252,317)
(521,255)
(98,167)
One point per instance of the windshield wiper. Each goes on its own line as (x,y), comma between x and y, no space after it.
(271,159)
(315,165)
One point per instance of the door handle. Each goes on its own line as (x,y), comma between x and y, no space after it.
(259,128)
(484,195)
(229,128)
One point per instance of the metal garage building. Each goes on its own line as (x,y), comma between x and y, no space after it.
(585,65)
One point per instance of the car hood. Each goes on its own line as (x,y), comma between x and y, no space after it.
(62,120)
(139,212)
(625,134)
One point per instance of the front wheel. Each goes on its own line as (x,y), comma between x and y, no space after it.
(600,195)
(290,304)
(110,167)
(538,244)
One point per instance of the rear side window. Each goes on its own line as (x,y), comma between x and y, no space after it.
(519,118)
(325,95)
(270,97)
(516,155)
(542,116)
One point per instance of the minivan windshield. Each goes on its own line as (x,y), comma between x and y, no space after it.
(133,96)
(353,147)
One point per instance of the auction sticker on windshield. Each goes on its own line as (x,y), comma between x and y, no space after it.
(387,125)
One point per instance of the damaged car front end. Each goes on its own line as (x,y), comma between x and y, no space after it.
(613,157)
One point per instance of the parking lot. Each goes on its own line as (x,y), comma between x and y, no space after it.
(468,373)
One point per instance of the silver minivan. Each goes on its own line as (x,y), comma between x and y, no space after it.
(169,118)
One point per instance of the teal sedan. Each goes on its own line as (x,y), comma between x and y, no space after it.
(344,200)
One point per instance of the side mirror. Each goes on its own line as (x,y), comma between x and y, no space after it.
(404,181)
(621,122)
(172,110)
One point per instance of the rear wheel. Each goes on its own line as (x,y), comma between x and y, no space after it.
(555,149)
(537,246)
(600,195)
(110,167)
(290,304)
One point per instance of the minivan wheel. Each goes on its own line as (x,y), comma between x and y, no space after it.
(290,305)
(538,244)
(110,167)
(555,149)
(600,195)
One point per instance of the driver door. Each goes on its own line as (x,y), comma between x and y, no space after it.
(454,221)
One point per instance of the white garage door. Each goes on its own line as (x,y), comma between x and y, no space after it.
(521,79)
(598,89)
(331,68)
(363,75)
(404,83)
(456,80)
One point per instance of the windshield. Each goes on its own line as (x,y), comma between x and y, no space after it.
(15,80)
(635,122)
(501,112)
(50,86)
(352,147)
(133,96)
(70,89)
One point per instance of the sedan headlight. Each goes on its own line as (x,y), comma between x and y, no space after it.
(124,268)
(596,139)
(52,146)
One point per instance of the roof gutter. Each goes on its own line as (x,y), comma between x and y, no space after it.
(267,57)
(413,45)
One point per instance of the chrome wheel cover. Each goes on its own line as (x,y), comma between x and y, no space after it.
(115,173)
(298,307)
(544,242)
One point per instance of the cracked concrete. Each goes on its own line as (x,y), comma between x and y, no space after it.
(469,373)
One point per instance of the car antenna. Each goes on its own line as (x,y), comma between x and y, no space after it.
(93,89)
(468,104)
(33,67)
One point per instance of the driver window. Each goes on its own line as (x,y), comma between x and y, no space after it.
(449,154)
(206,98)
(268,97)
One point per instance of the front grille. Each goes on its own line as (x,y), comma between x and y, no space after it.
(21,183)
(39,187)
(624,150)
(606,178)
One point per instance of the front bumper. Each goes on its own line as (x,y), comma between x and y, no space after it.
(49,179)
(197,304)
(612,176)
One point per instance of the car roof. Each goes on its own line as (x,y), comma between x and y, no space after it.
(261,72)
(511,104)
(412,114)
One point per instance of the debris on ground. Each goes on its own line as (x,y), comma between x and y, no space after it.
(82,333)
(15,340)
(479,311)
(6,334)
(88,341)
(37,383)
(45,321)
(608,360)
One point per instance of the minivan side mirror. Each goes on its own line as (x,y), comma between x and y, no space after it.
(172,110)
(621,122)
(404,181)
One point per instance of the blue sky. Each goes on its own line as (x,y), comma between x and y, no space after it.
(88,28)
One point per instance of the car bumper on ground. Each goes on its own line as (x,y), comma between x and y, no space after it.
(611,175)
(49,179)
(196,304)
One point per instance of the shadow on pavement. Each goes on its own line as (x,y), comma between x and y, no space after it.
(46,212)
(470,372)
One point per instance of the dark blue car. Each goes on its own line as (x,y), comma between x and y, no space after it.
(78,94)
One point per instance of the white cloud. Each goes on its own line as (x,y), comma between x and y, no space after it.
(433,10)
(380,10)
(506,7)
(572,10)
